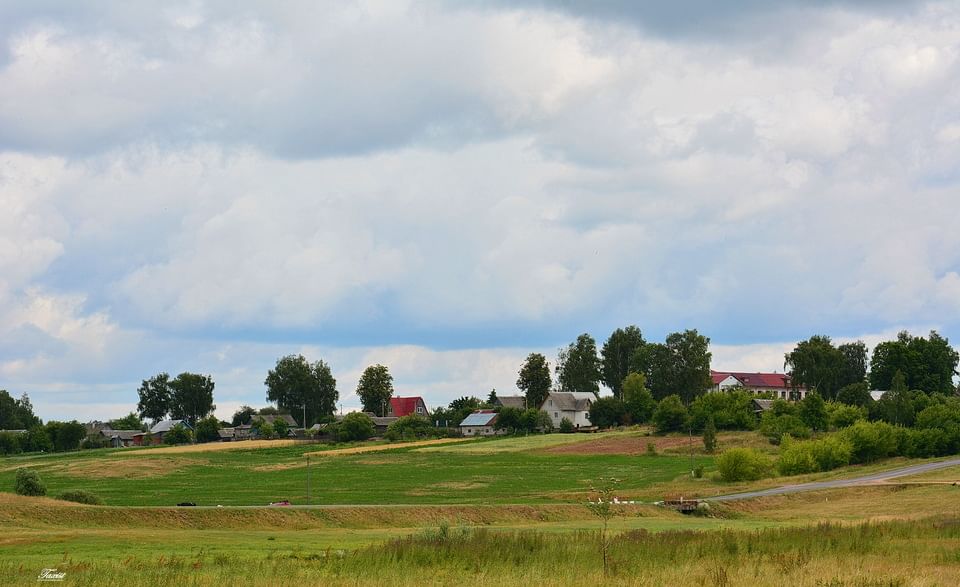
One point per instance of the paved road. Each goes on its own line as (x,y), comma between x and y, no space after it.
(851,482)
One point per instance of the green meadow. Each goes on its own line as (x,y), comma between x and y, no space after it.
(455,474)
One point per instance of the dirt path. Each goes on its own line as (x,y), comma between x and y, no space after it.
(378,447)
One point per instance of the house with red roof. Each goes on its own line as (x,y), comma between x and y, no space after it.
(405,406)
(778,385)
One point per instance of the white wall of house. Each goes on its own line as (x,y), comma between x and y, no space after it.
(478,430)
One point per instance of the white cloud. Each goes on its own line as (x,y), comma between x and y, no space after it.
(185,185)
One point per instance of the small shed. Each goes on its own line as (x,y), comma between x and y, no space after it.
(479,423)
(762,405)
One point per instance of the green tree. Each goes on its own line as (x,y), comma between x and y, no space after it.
(508,419)
(855,394)
(207,429)
(295,384)
(813,411)
(177,435)
(607,412)
(604,491)
(679,366)
(375,389)
(243,416)
(27,482)
(355,426)
(742,464)
(896,406)
(616,355)
(66,435)
(281,428)
(534,379)
(129,422)
(928,364)
(37,440)
(670,415)
(154,397)
(566,426)
(854,367)
(462,407)
(191,397)
(578,367)
(265,429)
(16,414)
(638,399)
(710,437)
(816,364)
(492,398)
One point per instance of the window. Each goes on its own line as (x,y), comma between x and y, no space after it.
(419,409)
(556,415)
(551,403)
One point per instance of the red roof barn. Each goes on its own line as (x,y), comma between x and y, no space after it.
(404,406)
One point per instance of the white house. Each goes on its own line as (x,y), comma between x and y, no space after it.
(479,423)
(575,406)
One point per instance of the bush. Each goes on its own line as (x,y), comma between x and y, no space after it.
(670,414)
(91,442)
(9,443)
(566,426)
(355,426)
(774,427)
(813,411)
(855,394)
(797,458)
(871,441)
(177,435)
(27,482)
(208,429)
(410,427)
(80,496)
(742,464)
(607,412)
(281,428)
(265,430)
(729,410)
(841,415)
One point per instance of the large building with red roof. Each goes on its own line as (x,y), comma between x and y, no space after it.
(405,406)
(776,384)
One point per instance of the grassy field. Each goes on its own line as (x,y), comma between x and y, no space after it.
(503,510)
(473,472)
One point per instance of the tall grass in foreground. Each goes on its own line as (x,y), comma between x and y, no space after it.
(874,554)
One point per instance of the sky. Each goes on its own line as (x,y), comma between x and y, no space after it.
(445,187)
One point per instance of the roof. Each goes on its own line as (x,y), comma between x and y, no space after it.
(166,425)
(480,418)
(271,418)
(877,394)
(778,380)
(512,401)
(762,405)
(226,432)
(122,434)
(377,420)
(404,406)
(571,401)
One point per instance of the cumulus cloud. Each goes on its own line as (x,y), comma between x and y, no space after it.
(206,185)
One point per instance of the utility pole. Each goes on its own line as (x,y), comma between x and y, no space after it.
(309,501)
(691,448)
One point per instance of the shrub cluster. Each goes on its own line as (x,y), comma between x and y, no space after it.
(797,458)
(27,482)
(81,496)
(743,464)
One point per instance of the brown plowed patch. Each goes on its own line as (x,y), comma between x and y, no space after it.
(625,445)
(378,447)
